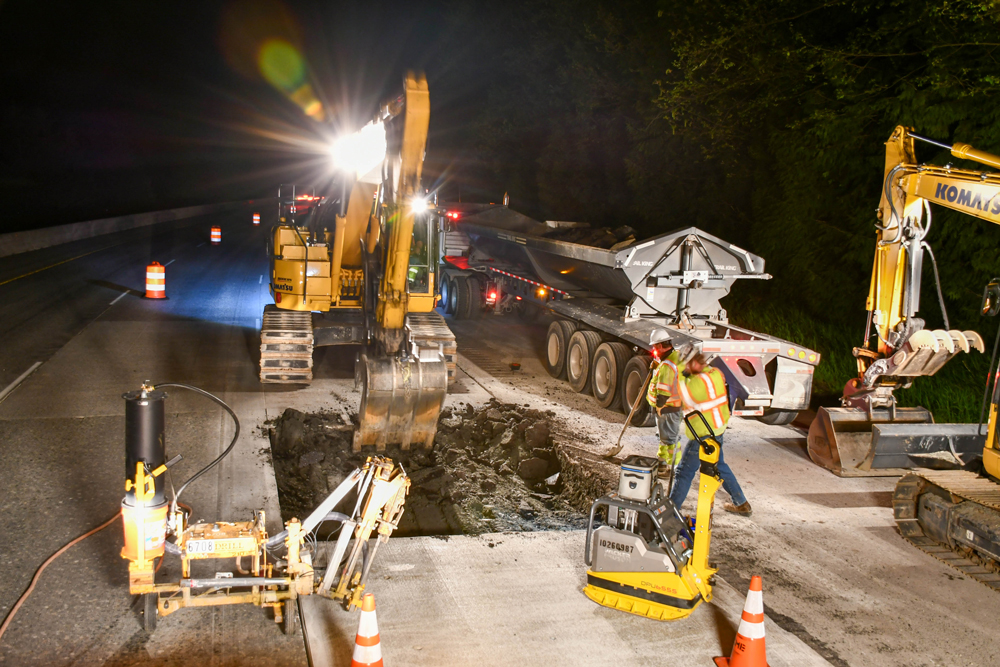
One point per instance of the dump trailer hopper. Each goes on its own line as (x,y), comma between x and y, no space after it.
(616,297)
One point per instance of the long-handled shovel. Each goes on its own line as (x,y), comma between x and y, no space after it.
(613,452)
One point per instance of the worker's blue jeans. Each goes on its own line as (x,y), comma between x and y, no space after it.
(688,468)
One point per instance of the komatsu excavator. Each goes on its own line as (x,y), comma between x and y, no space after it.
(370,281)
(950,507)
(870,434)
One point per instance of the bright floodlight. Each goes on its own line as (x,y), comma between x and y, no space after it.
(419,205)
(362,151)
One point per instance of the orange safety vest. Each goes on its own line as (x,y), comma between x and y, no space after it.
(665,381)
(706,393)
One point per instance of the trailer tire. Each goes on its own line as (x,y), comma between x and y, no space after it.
(608,365)
(463,298)
(580,359)
(556,340)
(630,385)
(475,298)
(528,312)
(776,417)
(446,288)
(453,296)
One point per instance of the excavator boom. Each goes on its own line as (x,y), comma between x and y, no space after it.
(870,435)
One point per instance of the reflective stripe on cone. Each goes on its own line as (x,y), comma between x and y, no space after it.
(367,649)
(156,281)
(216,235)
(749,649)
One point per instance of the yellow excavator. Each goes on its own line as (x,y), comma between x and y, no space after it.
(368,280)
(870,434)
(948,499)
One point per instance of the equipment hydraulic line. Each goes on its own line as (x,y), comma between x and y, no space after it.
(155,526)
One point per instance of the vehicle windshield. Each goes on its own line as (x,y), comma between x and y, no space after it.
(418,273)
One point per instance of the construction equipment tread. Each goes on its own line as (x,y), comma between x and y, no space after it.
(960,483)
(286,346)
(432,328)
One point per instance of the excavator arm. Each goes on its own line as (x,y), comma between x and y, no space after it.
(870,433)
(903,348)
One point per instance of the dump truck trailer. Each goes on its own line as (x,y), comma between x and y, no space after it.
(607,302)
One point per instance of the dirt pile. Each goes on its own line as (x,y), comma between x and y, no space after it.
(491,469)
(601,237)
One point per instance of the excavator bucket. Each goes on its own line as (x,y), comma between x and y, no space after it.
(853,443)
(400,401)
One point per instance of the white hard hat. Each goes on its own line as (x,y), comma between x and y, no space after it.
(686,352)
(659,336)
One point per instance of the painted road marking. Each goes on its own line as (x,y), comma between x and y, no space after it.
(169,263)
(118,298)
(24,376)
(50,266)
(257,323)
(261,279)
(200,244)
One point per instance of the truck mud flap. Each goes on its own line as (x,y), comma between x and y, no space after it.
(400,401)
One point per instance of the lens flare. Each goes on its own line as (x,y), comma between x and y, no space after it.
(419,205)
(361,151)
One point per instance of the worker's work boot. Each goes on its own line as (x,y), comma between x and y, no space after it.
(743,510)
(663,472)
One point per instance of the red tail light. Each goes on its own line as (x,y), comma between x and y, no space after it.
(277,297)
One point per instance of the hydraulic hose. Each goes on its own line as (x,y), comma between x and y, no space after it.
(279,539)
(937,282)
(228,449)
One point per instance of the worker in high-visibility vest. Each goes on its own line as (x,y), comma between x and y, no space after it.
(663,396)
(703,389)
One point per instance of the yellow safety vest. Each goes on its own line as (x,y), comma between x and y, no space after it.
(706,392)
(664,381)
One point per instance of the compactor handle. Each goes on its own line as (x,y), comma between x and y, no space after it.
(708,447)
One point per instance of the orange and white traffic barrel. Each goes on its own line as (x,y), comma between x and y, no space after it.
(156,281)
(256,219)
(216,235)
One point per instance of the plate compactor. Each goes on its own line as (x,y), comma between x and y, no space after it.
(644,558)
(270,571)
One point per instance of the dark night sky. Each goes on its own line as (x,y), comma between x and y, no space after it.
(116,107)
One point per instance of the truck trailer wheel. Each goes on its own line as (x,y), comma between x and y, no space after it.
(556,340)
(579,359)
(778,417)
(446,295)
(464,305)
(631,385)
(609,362)
(475,298)
(453,296)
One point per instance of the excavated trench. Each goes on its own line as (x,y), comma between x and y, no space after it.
(500,467)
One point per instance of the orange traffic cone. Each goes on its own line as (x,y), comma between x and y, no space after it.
(748,649)
(367,650)
(256,219)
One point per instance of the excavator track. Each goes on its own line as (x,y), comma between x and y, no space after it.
(429,331)
(967,547)
(286,346)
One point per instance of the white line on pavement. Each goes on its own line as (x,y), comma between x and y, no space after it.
(118,298)
(24,376)
(200,244)
(257,323)
(261,279)
(169,263)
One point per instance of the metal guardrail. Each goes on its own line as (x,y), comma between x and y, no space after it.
(15,243)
